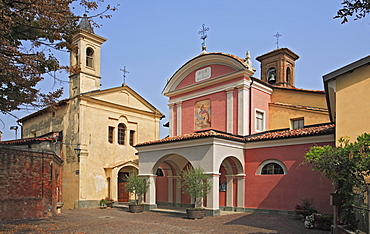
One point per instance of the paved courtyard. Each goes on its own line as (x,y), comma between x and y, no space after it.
(118,220)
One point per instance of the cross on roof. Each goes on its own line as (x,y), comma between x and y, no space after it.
(277,35)
(203,32)
(124,74)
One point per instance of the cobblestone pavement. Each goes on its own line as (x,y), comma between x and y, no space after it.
(118,220)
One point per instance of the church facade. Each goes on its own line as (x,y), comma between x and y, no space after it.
(249,135)
(94,129)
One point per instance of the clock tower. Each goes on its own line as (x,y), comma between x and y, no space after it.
(277,67)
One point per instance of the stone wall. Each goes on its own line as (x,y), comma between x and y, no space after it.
(30,183)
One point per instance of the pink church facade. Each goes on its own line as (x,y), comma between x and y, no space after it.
(219,115)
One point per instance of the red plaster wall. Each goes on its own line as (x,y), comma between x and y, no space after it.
(28,182)
(218,112)
(283,192)
(222,194)
(162,188)
(260,101)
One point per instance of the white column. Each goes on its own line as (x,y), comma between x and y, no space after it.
(179,118)
(170,183)
(170,130)
(243,110)
(229,190)
(150,195)
(240,193)
(229,110)
(213,195)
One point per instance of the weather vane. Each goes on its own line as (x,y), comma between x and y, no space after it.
(277,35)
(124,74)
(203,32)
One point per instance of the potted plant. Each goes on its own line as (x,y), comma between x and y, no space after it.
(106,202)
(195,184)
(138,186)
(305,208)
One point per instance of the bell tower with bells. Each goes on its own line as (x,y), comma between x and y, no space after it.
(277,67)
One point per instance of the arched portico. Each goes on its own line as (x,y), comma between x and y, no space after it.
(232,181)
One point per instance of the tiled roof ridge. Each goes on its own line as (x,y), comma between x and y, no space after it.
(195,135)
(318,129)
(300,106)
(27,140)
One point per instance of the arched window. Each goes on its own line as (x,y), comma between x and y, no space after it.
(159,172)
(272,167)
(288,74)
(271,75)
(121,133)
(89,57)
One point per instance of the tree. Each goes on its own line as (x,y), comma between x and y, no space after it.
(357,8)
(195,184)
(347,166)
(30,30)
(136,185)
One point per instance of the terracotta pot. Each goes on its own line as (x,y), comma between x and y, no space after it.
(196,213)
(136,208)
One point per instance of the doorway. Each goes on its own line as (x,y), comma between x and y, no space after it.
(123,195)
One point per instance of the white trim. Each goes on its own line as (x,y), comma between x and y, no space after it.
(211,91)
(171,129)
(262,87)
(290,141)
(243,109)
(229,110)
(264,163)
(263,120)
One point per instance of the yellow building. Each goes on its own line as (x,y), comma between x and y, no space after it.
(347,91)
(96,129)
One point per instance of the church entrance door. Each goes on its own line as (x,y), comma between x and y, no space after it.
(123,196)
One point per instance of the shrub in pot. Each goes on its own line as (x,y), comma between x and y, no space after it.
(138,186)
(195,184)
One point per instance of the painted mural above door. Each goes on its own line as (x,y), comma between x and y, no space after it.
(202,114)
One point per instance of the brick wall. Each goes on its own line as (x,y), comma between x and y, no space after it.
(30,183)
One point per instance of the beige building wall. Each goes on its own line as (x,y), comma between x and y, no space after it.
(352,108)
(290,104)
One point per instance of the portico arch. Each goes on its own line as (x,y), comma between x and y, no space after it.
(231,184)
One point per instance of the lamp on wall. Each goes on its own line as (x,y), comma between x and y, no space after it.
(77,150)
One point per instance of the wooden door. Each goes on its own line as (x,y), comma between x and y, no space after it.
(123,196)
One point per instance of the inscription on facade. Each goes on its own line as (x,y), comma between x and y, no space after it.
(203,74)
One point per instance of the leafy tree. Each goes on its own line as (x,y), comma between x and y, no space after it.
(30,30)
(195,184)
(347,165)
(136,185)
(357,8)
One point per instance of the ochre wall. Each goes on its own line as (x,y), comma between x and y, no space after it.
(280,115)
(353,109)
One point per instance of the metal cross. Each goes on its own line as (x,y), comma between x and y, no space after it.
(277,35)
(204,34)
(124,74)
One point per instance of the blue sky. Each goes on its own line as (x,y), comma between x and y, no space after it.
(154,38)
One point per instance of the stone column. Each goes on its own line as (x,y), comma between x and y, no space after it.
(240,193)
(213,208)
(150,198)
(229,110)
(229,193)
(170,129)
(179,118)
(243,110)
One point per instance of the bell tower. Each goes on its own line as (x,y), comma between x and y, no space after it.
(86,58)
(277,67)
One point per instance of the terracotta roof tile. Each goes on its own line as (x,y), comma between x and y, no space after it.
(307,131)
(27,140)
(270,135)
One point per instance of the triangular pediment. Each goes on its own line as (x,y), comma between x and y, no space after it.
(122,96)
